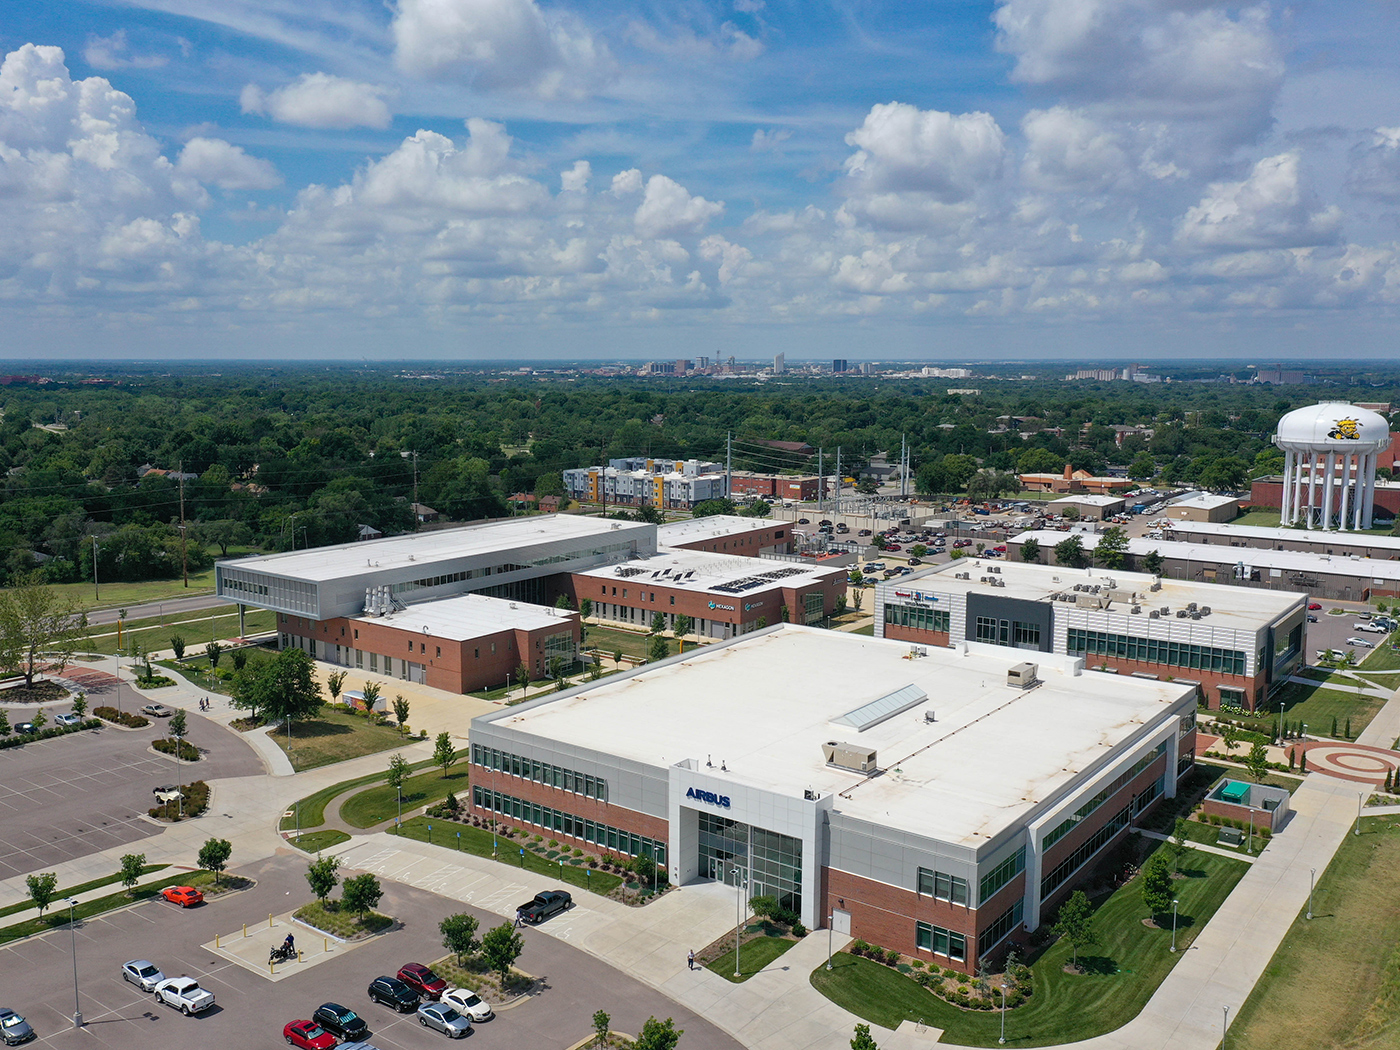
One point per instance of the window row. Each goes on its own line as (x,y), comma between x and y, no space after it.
(1066,869)
(999,930)
(540,772)
(939,941)
(943,887)
(1018,634)
(1001,875)
(919,619)
(1065,826)
(604,835)
(1155,650)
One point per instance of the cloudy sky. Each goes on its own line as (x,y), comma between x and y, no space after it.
(664,178)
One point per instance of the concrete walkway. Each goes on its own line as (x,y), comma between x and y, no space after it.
(1204,846)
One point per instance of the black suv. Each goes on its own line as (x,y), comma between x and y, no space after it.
(341,1021)
(390,991)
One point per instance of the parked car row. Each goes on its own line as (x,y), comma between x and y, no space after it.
(450,1011)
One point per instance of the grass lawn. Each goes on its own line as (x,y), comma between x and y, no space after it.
(477,841)
(119,595)
(376,804)
(313,807)
(1317,705)
(754,955)
(82,887)
(1383,657)
(196,668)
(868,630)
(58,916)
(608,640)
(1207,834)
(1260,516)
(154,633)
(1335,980)
(1122,973)
(315,841)
(333,736)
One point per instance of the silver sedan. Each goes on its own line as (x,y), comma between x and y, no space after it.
(143,973)
(445,1019)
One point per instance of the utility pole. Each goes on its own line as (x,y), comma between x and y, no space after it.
(821,483)
(184,560)
(415,490)
(729,465)
(838,479)
(95,593)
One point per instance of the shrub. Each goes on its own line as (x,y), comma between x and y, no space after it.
(47,734)
(918,964)
(121,718)
(799,930)
(891,958)
(859,948)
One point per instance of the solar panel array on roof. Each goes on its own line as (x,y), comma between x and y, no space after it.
(887,706)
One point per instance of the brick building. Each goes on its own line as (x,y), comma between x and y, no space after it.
(800,488)
(857,781)
(728,534)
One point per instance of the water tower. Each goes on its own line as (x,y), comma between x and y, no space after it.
(1329,474)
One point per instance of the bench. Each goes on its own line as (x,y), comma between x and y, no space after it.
(1230,837)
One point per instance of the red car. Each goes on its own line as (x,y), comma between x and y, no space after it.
(1314,606)
(422,980)
(185,896)
(893,547)
(308,1035)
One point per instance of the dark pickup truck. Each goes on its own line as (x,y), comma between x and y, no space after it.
(545,904)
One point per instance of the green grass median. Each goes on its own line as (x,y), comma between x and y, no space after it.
(375,805)
(312,808)
(58,916)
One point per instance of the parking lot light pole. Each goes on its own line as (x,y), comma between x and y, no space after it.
(1312,878)
(738,914)
(1223,1026)
(1174,903)
(829,920)
(73,931)
(1360,798)
(1002,989)
(179,779)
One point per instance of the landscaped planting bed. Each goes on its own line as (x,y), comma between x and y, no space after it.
(166,746)
(328,917)
(48,733)
(481,979)
(39,693)
(196,801)
(121,718)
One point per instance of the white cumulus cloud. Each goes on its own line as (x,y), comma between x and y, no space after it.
(1269,209)
(320,100)
(225,165)
(903,148)
(668,208)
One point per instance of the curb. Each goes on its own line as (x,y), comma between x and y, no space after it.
(590,1039)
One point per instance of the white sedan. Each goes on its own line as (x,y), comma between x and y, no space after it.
(185,994)
(143,973)
(466,1001)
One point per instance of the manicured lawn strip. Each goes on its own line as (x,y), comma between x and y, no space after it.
(1123,971)
(1206,834)
(754,955)
(56,917)
(313,806)
(868,630)
(1347,952)
(315,841)
(82,887)
(608,640)
(377,804)
(1383,657)
(1317,706)
(477,841)
(155,635)
(333,736)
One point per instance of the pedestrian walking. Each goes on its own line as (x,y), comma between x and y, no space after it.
(690,959)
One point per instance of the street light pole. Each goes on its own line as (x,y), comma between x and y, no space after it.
(1223,1026)
(179,779)
(829,920)
(1002,989)
(738,915)
(1312,877)
(1174,903)
(1360,798)
(73,931)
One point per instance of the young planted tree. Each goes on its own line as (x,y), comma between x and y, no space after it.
(179,723)
(39,720)
(585,608)
(214,856)
(5,729)
(617,657)
(335,682)
(857,597)
(862,1039)
(361,894)
(42,889)
(459,935)
(1075,923)
(132,865)
(80,704)
(1257,762)
(321,876)
(602,1024)
(240,659)
(372,692)
(400,710)
(659,649)
(397,772)
(1230,737)
(177,645)
(1180,832)
(658,623)
(522,678)
(684,625)
(1157,886)
(213,650)
(658,1035)
(444,753)
(501,947)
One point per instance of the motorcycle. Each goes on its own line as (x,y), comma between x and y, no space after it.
(281,953)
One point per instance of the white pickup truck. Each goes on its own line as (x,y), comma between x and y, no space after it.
(185,994)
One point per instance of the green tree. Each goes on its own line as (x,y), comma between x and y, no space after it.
(1069,552)
(684,625)
(282,689)
(361,893)
(1229,736)
(38,628)
(223,534)
(1030,551)
(1152,562)
(132,866)
(709,508)
(80,704)
(397,772)
(759,509)
(863,1040)
(500,947)
(5,729)
(658,1035)
(918,550)
(1143,467)
(1181,832)
(444,753)
(371,692)
(177,645)
(617,657)
(522,677)
(1075,923)
(1039,461)
(179,723)
(563,603)
(1157,885)
(659,649)
(602,1024)
(1112,547)
(214,856)
(42,889)
(39,720)
(335,682)
(321,876)
(658,623)
(1257,762)
(213,650)
(585,608)
(459,935)
(400,710)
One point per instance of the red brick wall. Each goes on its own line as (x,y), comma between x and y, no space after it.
(1254,688)
(914,634)
(656,597)
(885,915)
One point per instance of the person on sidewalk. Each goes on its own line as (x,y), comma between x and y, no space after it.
(690,959)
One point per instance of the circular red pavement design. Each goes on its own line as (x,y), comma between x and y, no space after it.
(1354,762)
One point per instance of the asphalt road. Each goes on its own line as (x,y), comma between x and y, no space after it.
(74,795)
(103,617)
(251,1010)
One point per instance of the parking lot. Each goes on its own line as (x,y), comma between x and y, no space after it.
(251,1011)
(73,795)
(1331,632)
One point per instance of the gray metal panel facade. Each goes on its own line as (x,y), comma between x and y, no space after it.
(892,856)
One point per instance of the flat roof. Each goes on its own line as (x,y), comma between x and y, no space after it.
(470,616)
(716,527)
(707,572)
(1093,501)
(1240,608)
(348,559)
(949,779)
(1255,557)
(1206,501)
(1279,534)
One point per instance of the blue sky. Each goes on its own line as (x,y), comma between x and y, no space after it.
(496,178)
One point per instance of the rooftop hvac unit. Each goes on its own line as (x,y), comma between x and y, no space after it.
(1181,614)
(1191,606)
(1022,676)
(1195,616)
(1165,610)
(929,716)
(1205,610)
(849,756)
(1137,609)
(1154,615)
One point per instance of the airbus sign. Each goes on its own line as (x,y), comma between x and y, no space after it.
(701,795)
